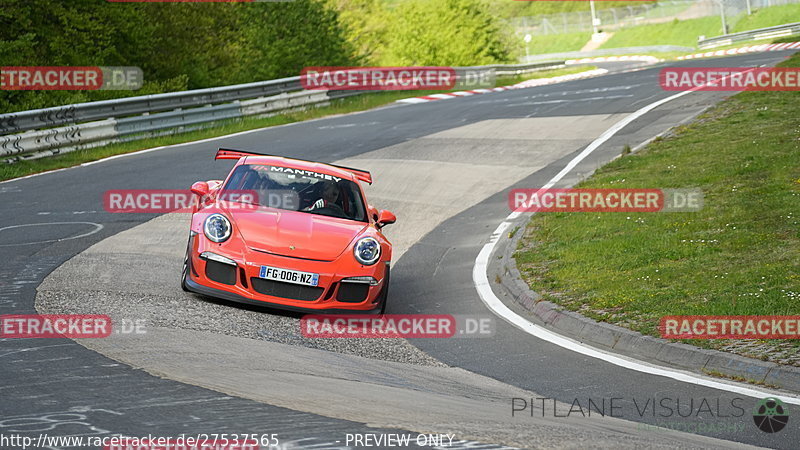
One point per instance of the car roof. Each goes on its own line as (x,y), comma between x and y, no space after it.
(300,164)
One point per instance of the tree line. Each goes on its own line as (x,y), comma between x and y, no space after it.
(195,45)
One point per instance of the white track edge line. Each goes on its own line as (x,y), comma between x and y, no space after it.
(480,278)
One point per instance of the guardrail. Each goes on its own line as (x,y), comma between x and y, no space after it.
(51,131)
(788,29)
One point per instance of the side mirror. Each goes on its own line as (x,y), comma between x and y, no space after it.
(200,189)
(386,218)
(373,212)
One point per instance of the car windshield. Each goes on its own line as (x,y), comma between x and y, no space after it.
(297,190)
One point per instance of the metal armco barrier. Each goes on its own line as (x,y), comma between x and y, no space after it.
(53,141)
(788,29)
(51,131)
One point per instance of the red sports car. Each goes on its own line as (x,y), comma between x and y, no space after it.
(288,233)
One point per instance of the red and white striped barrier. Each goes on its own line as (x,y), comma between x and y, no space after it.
(740,50)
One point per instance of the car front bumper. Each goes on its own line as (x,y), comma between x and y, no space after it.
(241,282)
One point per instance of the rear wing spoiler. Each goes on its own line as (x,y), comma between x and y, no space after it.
(226,153)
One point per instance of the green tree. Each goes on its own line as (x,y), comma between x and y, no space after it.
(177,45)
(280,39)
(365,23)
(446,32)
(74,33)
(199,40)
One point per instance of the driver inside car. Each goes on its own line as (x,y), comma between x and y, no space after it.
(330,194)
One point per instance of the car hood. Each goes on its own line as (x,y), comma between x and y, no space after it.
(296,234)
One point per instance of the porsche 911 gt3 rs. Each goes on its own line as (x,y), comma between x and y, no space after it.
(288,233)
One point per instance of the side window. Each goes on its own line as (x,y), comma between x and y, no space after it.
(236,180)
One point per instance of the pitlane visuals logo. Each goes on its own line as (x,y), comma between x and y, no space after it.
(771,415)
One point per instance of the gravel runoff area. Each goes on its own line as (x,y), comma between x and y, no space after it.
(133,276)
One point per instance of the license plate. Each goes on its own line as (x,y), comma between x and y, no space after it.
(289,276)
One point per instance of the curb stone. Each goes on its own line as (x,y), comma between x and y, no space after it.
(521,85)
(620,340)
(740,50)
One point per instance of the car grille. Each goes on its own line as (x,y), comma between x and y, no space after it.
(221,273)
(286,290)
(352,292)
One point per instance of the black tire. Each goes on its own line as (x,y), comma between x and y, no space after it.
(186,268)
(384,295)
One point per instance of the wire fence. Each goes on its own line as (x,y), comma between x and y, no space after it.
(640,14)
(736,9)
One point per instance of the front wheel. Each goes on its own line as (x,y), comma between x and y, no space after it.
(384,295)
(186,268)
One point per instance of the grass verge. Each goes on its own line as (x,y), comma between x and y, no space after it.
(739,255)
(339,106)
(768,17)
(686,32)
(786,39)
(677,32)
(558,43)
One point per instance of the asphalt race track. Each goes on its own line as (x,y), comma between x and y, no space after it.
(207,366)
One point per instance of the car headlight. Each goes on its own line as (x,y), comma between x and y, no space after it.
(217,228)
(367,251)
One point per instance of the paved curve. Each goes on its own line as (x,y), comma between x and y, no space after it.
(108,396)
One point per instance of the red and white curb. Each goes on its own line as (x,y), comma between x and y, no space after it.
(597,59)
(740,50)
(522,85)
(449,95)
(575,76)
